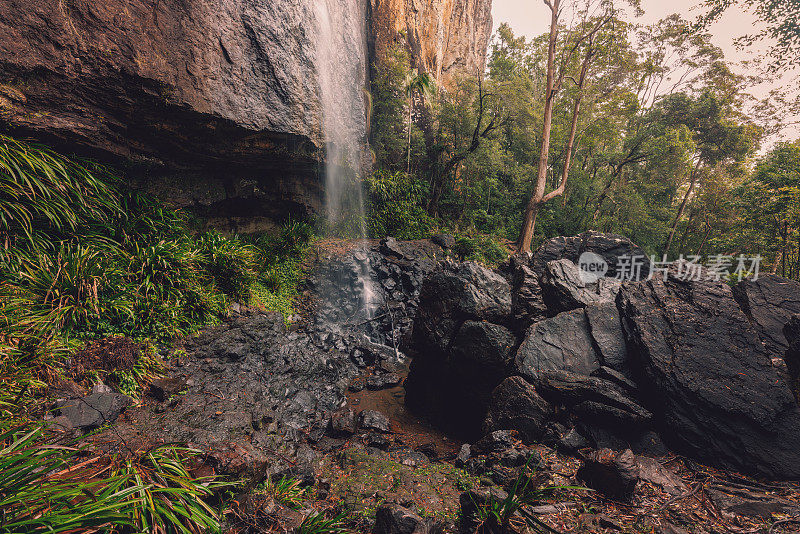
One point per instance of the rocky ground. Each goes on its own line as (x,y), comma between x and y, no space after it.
(526,374)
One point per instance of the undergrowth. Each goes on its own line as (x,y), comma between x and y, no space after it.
(92,277)
(49,488)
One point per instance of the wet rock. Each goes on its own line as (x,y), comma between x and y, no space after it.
(163,388)
(613,474)
(605,327)
(792,356)
(527,304)
(484,347)
(461,292)
(343,422)
(495,442)
(93,411)
(573,441)
(732,499)
(610,246)
(446,241)
(460,345)
(383,381)
(240,459)
(390,247)
(561,343)
(395,519)
(379,441)
(769,302)
(515,405)
(564,288)
(594,398)
(374,420)
(464,454)
(653,472)
(703,368)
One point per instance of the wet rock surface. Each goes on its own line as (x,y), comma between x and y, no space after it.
(610,247)
(103,406)
(560,343)
(769,303)
(641,365)
(706,374)
(564,288)
(266,401)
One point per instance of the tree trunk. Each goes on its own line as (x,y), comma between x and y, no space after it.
(408,165)
(692,181)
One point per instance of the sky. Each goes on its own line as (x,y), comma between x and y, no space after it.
(532,17)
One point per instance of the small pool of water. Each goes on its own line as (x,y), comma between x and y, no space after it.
(413,430)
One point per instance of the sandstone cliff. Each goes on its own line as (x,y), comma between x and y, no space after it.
(211,103)
(446,38)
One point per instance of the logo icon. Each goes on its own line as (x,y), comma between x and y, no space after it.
(592,266)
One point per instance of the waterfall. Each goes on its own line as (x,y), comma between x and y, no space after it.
(341,66)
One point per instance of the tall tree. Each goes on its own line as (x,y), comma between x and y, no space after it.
(581,43)
(416,84)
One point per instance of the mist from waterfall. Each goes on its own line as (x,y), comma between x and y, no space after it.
(341,71)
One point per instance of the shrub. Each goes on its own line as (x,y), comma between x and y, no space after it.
(397,206)
(44,194)
(480,248)
(45,489)
(231,263)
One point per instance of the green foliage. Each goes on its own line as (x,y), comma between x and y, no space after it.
(662,110)
(324,523)
(286,490)
(498,516)
(44,194)
(42,490)
(781,21)
(83,258)
(280,260)
(397,206)
(480,248)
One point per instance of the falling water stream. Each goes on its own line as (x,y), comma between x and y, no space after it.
(341,71)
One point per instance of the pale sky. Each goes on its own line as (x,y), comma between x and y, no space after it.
(532,17)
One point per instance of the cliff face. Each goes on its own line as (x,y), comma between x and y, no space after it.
(446,38)
(211,103)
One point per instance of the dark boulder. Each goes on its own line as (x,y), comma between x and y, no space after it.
(769,302)
(561,343)
(456,294)
(483,350)
(792,356)
(383,381)
(610,246)
(605,328)
(446,241)
(614,474)
(527,304)
(343,422)
(594,399)
(374,420)
(515,405)
(93,411)
(460,346)
(705,373)
(163,388)
(737,500)
(565,288)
